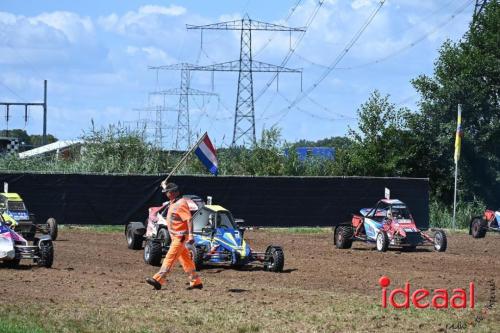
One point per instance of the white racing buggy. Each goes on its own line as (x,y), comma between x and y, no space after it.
(13,248)
(154,231)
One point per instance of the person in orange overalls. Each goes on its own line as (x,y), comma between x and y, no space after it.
(181,231)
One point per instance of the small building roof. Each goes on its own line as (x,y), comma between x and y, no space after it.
(49,148)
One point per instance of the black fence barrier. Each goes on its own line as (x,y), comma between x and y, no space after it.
(260,201)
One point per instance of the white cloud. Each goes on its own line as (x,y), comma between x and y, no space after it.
(152,54)
(72,25)
(173,10)
(146,20)
(356,4)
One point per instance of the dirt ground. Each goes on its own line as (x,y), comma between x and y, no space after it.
(97,284)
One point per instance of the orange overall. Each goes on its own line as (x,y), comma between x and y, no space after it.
(178,216)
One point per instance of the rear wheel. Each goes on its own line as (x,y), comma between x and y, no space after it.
(52,228)
(46,254)
(276,260)
(382,241)
(440,241)
(343,237)
(134,241)
(152,252)
(478,227)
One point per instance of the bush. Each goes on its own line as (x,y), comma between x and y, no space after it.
(441,216)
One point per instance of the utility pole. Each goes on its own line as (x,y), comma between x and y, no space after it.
(244,117)
(26,105)
(183,135)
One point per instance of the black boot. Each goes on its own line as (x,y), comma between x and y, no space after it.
(154,283)
(196,286)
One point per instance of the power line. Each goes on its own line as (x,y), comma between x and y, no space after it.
(334,63)
(292,49)
(404,48)
(24,60)
(12,91)
(324,108)
(290,13)
(311,114)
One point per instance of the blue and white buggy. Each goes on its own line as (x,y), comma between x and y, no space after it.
(219,239)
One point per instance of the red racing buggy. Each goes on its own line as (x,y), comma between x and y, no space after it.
(388,223)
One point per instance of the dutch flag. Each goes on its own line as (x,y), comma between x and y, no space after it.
(207,154)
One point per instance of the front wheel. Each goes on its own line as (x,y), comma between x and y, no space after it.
(52,228)
(478,227)
(382,241)
(440,241)
(197,254)
(46,254)
(343,237)
(152,253)
(275,261)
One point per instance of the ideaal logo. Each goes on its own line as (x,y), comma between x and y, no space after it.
(459,298)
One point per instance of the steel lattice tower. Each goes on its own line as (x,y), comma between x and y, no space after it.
(183,135)
(244,118)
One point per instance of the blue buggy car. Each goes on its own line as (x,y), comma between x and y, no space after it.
(219,239)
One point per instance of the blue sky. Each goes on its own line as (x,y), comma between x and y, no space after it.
(95,55)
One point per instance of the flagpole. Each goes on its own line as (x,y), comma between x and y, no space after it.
(456,169)
(455,195)
(185,156)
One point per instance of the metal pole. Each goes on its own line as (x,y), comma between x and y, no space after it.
(455,196)
(44,138)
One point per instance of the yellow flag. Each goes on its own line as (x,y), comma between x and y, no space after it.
(458,135)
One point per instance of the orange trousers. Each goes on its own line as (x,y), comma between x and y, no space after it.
(178,251)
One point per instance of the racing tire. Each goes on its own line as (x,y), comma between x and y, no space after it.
(52,228)
(12,263)
(276,260)
(343,237)
(164,236)
(134,241)
(46,253)
(238,263)
(440,241)
(382,241)
(197,254)
(152,253)
(478,227)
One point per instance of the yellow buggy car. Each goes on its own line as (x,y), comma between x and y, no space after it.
(12,206)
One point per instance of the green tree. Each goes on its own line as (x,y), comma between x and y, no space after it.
(380,145)
(21,134)
(37,140)
(468,73)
